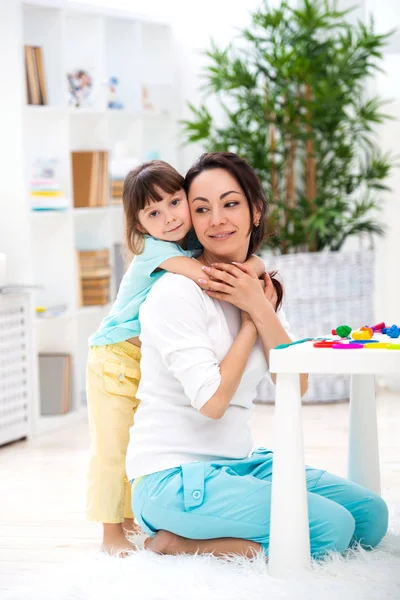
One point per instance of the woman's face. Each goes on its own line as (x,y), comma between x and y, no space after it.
(220,214)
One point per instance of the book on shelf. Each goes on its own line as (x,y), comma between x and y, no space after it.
(44,198)
(117,187)
(36,91)
(50,312)
(120,166)
(95,277)
(45,190)
(55,383)
(90,178)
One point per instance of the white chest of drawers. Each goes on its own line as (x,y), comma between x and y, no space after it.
(16,367)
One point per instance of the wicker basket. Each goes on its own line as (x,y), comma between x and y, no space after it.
(324,290)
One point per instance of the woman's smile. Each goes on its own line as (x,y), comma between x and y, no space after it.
(224,235)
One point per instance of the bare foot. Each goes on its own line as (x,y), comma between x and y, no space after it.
(165,542)
(130,527)
(115,542)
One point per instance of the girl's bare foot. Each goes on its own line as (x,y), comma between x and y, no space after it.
(130,527)
(114,540)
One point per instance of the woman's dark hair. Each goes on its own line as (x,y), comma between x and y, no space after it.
(142,185)
(252,189)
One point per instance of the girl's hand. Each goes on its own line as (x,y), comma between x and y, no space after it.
(246,318)
(235,283)
(269,291)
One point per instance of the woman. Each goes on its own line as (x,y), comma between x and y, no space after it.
(195,487)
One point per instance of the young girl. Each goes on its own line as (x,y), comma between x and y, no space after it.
(157,224)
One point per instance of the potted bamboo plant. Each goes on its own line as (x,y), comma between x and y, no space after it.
(293,94)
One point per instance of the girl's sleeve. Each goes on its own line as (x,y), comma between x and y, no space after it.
(156,252)
(175,317)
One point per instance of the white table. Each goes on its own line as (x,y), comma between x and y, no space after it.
(289,535)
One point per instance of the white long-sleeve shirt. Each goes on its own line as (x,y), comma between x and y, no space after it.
(185,335)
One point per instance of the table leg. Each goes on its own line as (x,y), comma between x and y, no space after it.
(363,452)
(289,549)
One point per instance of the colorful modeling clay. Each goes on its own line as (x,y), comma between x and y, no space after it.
(342,331)
(325,344)
(361,334)
(340,346)
(378,345)
(282,346)
(393,331)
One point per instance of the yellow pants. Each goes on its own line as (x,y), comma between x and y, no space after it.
(113,375)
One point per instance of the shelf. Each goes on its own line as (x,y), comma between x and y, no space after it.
(95,210)
(90,210)
(124,112)
(76,36)
(50,212)
(38,109)
(67,111)
(81,311)
(86,112)
(68,314)
(84,311)
(48,109)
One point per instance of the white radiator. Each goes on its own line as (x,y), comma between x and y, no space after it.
(15,376)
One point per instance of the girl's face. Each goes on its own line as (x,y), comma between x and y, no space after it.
(220,214)
(169,219)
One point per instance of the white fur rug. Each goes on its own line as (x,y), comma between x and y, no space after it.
(146,576)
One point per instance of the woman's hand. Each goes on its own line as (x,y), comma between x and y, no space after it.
(235,283)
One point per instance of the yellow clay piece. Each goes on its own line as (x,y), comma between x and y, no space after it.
(379,345)
(367,329)
(361,335)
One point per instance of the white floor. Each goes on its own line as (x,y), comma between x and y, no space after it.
(42,484)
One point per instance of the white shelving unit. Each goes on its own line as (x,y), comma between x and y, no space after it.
(106,43)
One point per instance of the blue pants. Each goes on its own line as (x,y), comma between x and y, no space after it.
(232,498)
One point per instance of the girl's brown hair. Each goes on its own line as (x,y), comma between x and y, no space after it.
(142,185)
(253,190)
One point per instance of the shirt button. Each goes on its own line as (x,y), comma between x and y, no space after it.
(196,495)
(121,377)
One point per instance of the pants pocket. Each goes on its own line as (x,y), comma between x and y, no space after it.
(120,379)
(193,475)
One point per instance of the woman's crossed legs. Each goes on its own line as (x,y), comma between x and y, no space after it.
(224,507)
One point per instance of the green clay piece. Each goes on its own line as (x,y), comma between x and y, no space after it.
(343,331)
(281,346)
